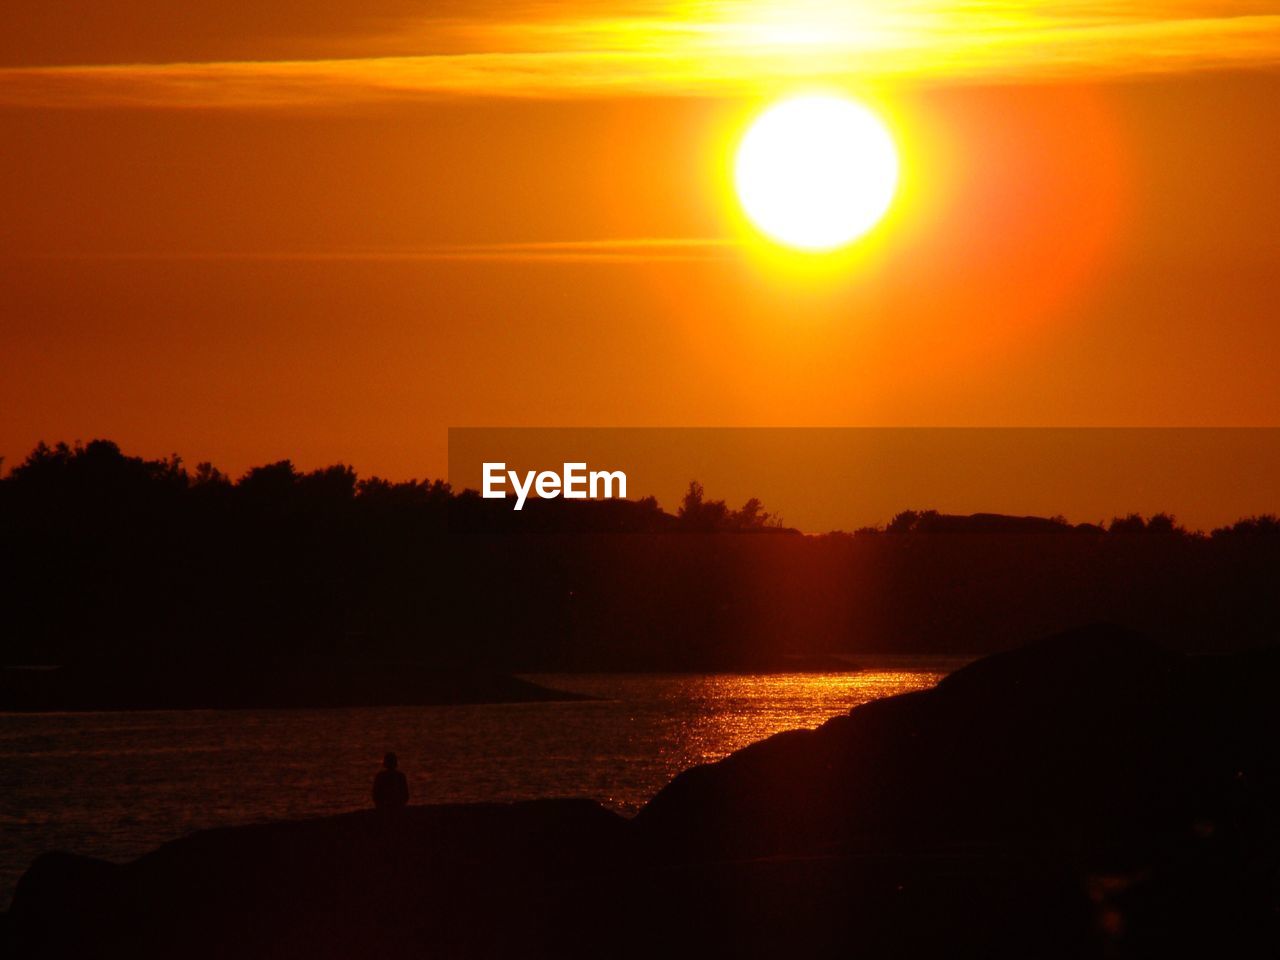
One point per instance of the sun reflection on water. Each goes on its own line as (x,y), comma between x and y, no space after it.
(701,718)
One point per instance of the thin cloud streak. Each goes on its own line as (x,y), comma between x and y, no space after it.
(717,49)
(621,250)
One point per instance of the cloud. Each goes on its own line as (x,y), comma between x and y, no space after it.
(615,250)
(718,48)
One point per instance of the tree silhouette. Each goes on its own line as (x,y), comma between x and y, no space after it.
(114,556)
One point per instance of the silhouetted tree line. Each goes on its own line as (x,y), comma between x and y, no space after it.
(122,558)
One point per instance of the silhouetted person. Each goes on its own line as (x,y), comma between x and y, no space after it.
(390,788)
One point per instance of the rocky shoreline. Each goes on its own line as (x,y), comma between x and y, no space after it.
(1087,796)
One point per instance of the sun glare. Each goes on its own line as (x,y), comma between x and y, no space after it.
(816,172)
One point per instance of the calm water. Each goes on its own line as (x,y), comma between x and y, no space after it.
(115,785)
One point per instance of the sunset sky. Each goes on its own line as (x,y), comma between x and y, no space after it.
(330,231)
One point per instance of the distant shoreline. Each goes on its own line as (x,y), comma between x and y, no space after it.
(284,686)
(280,686)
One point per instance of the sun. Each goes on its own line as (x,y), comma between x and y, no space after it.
(816,172)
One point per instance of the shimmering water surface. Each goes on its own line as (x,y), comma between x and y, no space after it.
(115,785)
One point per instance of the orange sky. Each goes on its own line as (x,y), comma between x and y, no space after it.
(328,234)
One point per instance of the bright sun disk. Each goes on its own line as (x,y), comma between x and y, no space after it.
(816,172)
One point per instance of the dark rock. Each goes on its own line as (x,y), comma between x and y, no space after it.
(1135,770)
(1042,740)
(357,885)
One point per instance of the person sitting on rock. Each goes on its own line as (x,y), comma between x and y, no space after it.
(390,788)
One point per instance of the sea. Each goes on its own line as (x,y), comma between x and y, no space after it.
(117,784)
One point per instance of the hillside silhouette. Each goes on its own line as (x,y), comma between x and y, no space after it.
(122,560)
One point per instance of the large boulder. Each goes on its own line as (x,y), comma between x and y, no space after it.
(1048,739)
(461,880)
(1152,780)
